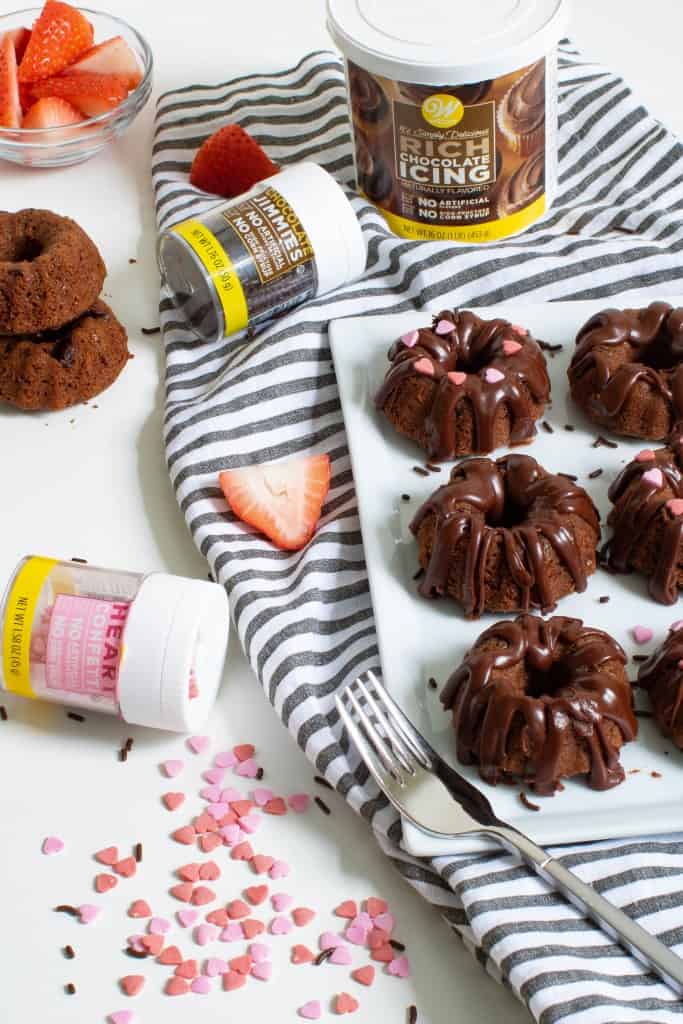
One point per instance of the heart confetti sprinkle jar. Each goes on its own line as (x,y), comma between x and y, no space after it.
(148,648)
(454,111)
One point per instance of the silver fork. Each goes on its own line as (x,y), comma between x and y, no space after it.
(432,795)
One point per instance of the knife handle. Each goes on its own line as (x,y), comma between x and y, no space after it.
(618,925)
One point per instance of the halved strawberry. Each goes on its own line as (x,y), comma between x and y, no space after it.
(60,35)
(90,93)
(20,38)
(10,108)
(282,500)
(51,112)
(229,162)
(112,57)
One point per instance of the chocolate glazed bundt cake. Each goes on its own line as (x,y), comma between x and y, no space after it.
(627,371)
(647,519)
(506,536)
(662,676)
(543,700)
(465,385)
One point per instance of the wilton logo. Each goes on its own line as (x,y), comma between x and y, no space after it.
(442,111)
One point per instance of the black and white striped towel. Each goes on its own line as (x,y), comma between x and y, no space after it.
(305,619)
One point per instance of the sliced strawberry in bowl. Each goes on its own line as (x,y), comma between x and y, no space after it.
(10,106)
(283,500)
(90,93)
(112,57)
(229,162)
(20,38)
(51,112)
(60,35)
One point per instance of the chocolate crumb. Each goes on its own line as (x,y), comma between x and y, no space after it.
(420,471)
(323,956)
(405,497)
(259,774)
(432,468)
(395,944)
(569,476)
(604,442)
(81,561)
(418,574)
(132,260)
(128,745)
(524,799)
(569,427)
(150,330)
(656,775)
(545,346)
(322,805)
(70,989)
(639,657)
(66,908)
(3,713)
(75,717)
(136,954)
(322,782)
(547,427)
(412,1015)
(123,754)
(137,852)
(432,683)
(69,952)
(634,771)
(595,474)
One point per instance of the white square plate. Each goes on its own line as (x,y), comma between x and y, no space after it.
(419,638)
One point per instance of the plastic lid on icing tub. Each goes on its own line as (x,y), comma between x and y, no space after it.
(432,42)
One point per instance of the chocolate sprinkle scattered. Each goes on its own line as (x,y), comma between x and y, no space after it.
(420,471)
(604,442)
(128,745)
(69,952)
(123,754)
(656,775)
(75,717)
(137,852)
(131,260)
(66,908)
(418,574)
(412,1015)
(322,782)
(81,561)
(70,989)
(395,944)
(640,657)
(323,956)
(432,468)
(322,805)
(150,330)
(604,599)
(259,774)
(569,476)
(524,799)
(545,346)
(546,426)
(432,683)
(643,713)
(569,427)
(595,474)
(3,713)
(137,954)
(405,497)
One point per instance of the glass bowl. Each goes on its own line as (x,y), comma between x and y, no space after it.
(59,147)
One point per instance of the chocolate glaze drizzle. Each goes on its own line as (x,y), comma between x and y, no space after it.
(472,508)
(489,698)
(662,676)
(471,347)
(651,341)
(639,505)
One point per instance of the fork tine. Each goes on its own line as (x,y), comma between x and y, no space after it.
(402,723)
(401,751)
(363,748)
(380,746)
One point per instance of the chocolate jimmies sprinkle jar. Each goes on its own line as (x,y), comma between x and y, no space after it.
(147,648)
(454,111)
(292,237)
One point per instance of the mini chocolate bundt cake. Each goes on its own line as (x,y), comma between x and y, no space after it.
(647,519)
(506,536)
(662,676)
(627,371)
(50,271)
(465,385)
(543,700)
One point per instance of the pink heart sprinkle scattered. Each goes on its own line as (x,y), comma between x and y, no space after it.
(170,957)
(519,330)
(205,933)
(135,943)
(131,984)
(280,926)
(675,506)
(410,339)
(215,966)
(400,967)
(250,822)
(247,769)
(172,768)
(341,956)
(121,1017)
(356,934)
(104,882)
(654,477)
(647,455)
(211,793)
(262,971)
(510,347)
(51,845)
(225,759)
(210,842)
(424,366)
(187,969)
(202,895)
(262,796)
(214,775)
(279,869)
(302,916)
(259,952)
(232,932)
(187,917)
(230,795)
(344,1003)
(176,987)
(386,922)
(126,867)
(328,940)
(302,955)
(231,834)
(172,801)
(218,811)
(158,926)
(676,625)
(139,908)
(237,909)
(299,802)
(260,862)
(281,901)
(493,376)
(311,1010)
(347,909)
(201,985)
(456,377)
(364,975)
(87,913)
(444,327)
(642,634)
(243,751)
(108,856)
(374,906)
(198,744)
(233,980)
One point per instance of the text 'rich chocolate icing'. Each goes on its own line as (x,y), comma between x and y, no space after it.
(541,699)
(662,676)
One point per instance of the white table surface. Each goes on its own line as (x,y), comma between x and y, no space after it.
(92,483)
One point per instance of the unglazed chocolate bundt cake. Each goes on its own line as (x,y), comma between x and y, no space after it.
(506,536)
(662,676)
(50,271)
(465,385)
(627,371)
(543,700)
(647,519)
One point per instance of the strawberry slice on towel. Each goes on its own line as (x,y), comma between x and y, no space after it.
(229,162)
(283,500)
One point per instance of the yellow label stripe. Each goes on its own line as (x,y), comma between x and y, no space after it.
(19,615)
(222,270)
(472,234)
